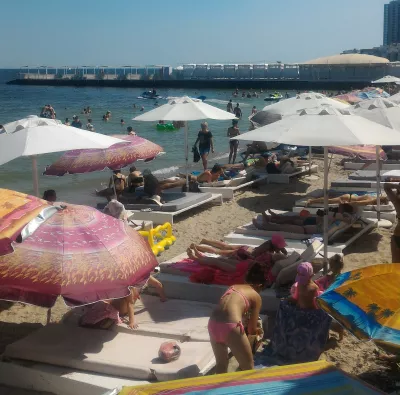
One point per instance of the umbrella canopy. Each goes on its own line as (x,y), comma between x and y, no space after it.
(357,96)
(380,110)
(302,101)
(36,136)
(301,379)
(20,213)
(395,98)
(79,253)
(184,109)
(387,79)
(324,127)
(367,303)
(117,156)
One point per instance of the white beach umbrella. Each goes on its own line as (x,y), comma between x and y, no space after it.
(387,79)
(395,98)
(34,136)
(298,103)
(383,112)
(324,127)
(303,101)
(185,109)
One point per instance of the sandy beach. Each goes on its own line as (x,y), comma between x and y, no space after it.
(353,356)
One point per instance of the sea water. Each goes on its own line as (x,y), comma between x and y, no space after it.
(17,102)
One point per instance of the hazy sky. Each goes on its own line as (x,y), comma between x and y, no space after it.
(129,32)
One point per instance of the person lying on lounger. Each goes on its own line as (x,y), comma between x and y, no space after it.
(303,224)
(351,198)
(235,258)
(275,245)
(256,147)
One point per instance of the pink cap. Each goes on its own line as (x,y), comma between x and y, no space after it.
(304,272)
(278,241)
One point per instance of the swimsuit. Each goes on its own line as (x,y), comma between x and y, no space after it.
(219,331)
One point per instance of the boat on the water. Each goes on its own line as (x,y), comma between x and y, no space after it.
(152,95)
(276,96)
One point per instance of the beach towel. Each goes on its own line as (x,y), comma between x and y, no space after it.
(299,336)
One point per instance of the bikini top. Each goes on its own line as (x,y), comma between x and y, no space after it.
(246,301)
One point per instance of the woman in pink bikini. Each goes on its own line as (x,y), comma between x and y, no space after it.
(225,326)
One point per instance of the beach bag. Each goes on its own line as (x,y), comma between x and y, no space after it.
(169,351)
(196,154)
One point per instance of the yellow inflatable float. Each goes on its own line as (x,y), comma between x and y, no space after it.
(159,238)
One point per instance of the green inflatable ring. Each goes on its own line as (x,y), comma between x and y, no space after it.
(165,127)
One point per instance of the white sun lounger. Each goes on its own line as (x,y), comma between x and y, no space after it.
(110,353)
(160,217)
(370,175)
(385,165)
(181,320)
(257,238)
(285,178)
(50,379)
(228,191)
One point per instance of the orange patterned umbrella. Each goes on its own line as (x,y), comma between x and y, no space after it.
(79,253)
(115,157)
(17,210)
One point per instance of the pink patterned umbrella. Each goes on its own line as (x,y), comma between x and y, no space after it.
(79,253)
(113,158)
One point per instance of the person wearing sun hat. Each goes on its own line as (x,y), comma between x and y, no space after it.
(304,290)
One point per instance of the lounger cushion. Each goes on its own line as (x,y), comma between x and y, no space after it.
(225,183)
(174,201)
(353,184)
(107,352)
(370,175)
(281,264)
(181,320)
(287,275)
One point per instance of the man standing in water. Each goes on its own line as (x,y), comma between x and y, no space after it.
(229,106)
(237,111)
(233,131)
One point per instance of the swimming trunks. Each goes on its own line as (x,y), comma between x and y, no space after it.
(310,221)
(204,150)
(234,143)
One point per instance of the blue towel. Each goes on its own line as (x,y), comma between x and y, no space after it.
(299,336)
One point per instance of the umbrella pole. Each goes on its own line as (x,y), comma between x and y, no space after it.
(378,184)
(187,155)
(35,176)
(326,207)
(309,160)
(113,184)
(48,316)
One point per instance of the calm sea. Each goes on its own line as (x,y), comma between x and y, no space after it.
(19,101)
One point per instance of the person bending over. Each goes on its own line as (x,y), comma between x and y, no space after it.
(135,179)
(225,325)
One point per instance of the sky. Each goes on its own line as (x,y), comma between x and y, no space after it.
(173,32)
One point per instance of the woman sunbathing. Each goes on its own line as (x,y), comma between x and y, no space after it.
(351,198)
(275,245)
(300,224)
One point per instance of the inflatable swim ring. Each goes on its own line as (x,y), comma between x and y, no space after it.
(165,126)
(159,238)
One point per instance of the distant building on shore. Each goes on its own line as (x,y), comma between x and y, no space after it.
(391,23)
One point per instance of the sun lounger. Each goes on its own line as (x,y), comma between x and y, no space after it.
(228,190)
(177,203)
(385,165)
(180,287)
(110,353)
(50,379)
(257,237)
(285,178)
(354,185)
(181,320)
(370,175)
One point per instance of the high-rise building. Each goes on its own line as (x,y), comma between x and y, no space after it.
(391,28)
